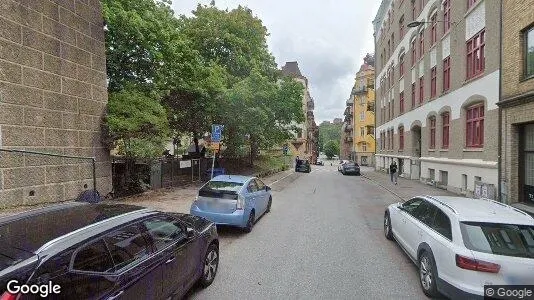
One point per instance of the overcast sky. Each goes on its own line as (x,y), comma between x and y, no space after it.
(328,38)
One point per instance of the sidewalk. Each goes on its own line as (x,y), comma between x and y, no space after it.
(406,188)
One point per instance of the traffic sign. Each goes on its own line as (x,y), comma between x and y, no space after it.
(216,133)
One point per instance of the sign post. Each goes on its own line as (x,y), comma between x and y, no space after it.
(216,136)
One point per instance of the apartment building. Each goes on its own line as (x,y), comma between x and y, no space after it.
(517,102)
(437,88)
(346,142)
(363,92)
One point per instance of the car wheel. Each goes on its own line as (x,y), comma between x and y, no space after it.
(250,222)
(428,274)
(387,227)
(211,264)
(269,204)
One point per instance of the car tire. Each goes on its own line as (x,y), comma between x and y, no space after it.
(428,274)
(269,204)
(250,222)
(387,227)
(211,264)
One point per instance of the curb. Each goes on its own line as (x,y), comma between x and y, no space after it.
(270,172)
(385,188)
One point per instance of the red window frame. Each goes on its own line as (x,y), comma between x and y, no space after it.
(433,79)
(432,126)
(446,16)
(414,10)
(391,144)
(433,30)
(445,118)
(401,102)
(475,57)
(401,27)
(413,95)
(474,129)
(389,110)
(470,3)
(401,138)
(414,52)
(401,65)
(447,73)
(392,42)
(421,43)
(421,89)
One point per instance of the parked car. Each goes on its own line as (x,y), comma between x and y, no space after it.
(101,251)
(350,168)
(233,200)
(319,163)
(303,166)
(341,163)
(462,244)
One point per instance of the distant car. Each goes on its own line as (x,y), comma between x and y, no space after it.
(460,245)
(350,168)
(233,200)
(340,166)
(105,251)
(303,166)
(319,163)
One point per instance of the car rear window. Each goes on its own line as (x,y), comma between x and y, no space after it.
(499,239)
(220,189)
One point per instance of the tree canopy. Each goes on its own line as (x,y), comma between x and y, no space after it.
(331,148)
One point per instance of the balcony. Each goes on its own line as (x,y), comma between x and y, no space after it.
(359,91)
(348,139)
(348,128)
(350,101)
(348,112)
(309,114)
(310,105)
(371,107)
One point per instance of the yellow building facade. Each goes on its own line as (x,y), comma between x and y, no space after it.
(363,117)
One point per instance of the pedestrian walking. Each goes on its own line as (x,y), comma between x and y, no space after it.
(393,172)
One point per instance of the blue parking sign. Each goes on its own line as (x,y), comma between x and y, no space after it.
(216,133)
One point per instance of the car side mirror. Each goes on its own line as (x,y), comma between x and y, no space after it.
(267,188)
(190,232)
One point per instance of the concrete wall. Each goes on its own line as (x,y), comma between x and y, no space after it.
(53,93)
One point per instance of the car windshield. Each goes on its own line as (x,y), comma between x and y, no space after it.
(226,187)
(499,239)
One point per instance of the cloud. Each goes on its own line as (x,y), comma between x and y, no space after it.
(328,39)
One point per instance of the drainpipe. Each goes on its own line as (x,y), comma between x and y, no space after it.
(499,150)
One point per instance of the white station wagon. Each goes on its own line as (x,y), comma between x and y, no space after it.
(462,244)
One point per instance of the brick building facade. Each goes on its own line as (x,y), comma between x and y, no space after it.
(437,85)
(517,102)
(53,93)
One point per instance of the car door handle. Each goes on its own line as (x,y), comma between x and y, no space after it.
(170,260)
(116,296)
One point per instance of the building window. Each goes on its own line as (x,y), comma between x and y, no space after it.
(445,133)
(475,126)
(401,138)
(362,131)
(392,142)
(414,52)
(414,9)
(447,73)
(401,102)
(421,43)
(421,89)
(433,30)
(392,108)
(388,49)
(421,5)
(392,43)
(389,110)
(470,3)
(432,132)
(401,27)
(362,115)
(446,16)
(413,95)
(401,65)
(433,82)
(529,52)
(475,55)
(364,147)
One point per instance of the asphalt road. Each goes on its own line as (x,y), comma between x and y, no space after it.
(323,239)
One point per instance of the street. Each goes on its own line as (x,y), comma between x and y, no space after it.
(323,239)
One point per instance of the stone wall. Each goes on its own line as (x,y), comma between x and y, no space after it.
(53,93)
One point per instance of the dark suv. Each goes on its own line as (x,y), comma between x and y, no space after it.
(111,251)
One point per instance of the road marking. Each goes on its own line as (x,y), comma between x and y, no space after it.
(282,178)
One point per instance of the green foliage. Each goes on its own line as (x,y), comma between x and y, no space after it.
(137,124)
(331,148)
(328,132)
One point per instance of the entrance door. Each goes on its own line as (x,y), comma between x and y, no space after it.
(416,146)
(528,164)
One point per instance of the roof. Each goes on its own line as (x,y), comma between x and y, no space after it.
(291,68)
(29,231)
(366,67)
(232,178)
(484,210)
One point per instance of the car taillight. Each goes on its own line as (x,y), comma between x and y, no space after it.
(476,265)
(240,203)
(9,296)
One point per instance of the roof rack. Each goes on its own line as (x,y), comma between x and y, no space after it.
(507,206)
(442,203)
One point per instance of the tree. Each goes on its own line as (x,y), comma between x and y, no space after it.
(137,124)
(328,132)
(331,148)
